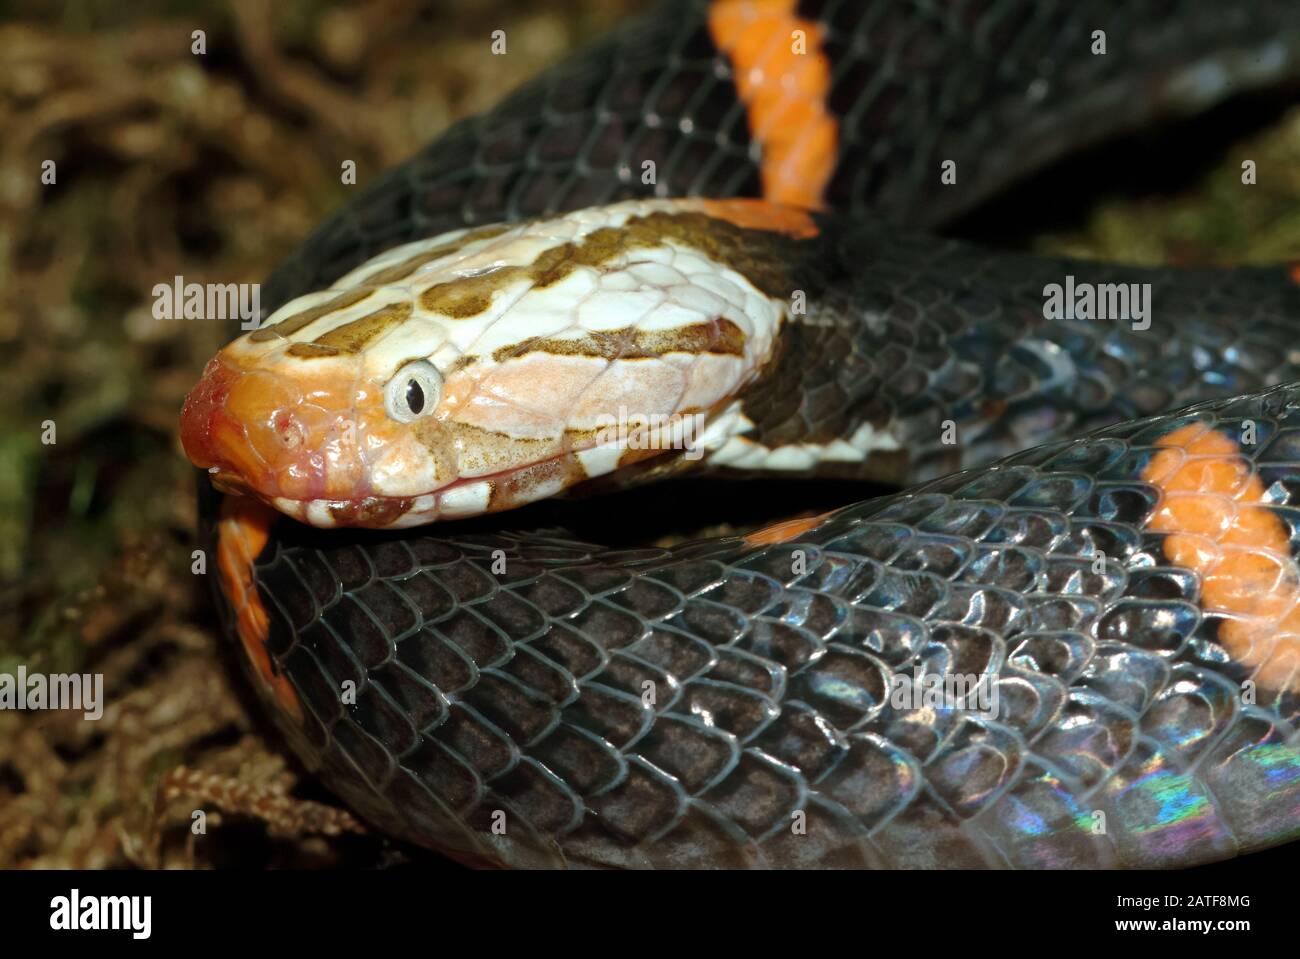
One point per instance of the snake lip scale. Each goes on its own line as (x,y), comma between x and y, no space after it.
(1072,639)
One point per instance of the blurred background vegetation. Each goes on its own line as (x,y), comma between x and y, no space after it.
(214,167)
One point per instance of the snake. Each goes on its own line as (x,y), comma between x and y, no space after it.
(713,242)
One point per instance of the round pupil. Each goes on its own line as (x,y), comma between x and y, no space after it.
(414,396)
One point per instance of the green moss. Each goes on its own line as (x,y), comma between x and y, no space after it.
(1217,220)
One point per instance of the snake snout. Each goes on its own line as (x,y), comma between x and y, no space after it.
(260,432)
(203,417)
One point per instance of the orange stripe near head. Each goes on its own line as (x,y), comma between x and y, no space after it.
(1215,509)
(783,78)
(243,527)
(1295,272)
(761,215)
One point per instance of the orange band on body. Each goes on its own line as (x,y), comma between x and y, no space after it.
(1215,509)
(783,78)
(243,527)
(785,531)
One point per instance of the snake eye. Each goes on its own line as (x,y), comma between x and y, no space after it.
(413,391)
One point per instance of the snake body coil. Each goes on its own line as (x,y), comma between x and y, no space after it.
(1122,608)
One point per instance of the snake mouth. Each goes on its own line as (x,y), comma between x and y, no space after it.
(459,500)
(229,482)
(463,498)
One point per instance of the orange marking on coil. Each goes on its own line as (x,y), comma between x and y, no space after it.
(1295,272)
(785,94)
(243,527)
(785,531)
(1215,509)
(761,215)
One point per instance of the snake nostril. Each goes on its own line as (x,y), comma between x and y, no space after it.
(288,429)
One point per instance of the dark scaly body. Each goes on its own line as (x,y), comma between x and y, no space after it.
(999,91)
(522,691)
(905,331)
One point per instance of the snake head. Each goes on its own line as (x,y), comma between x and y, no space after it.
(487,368)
